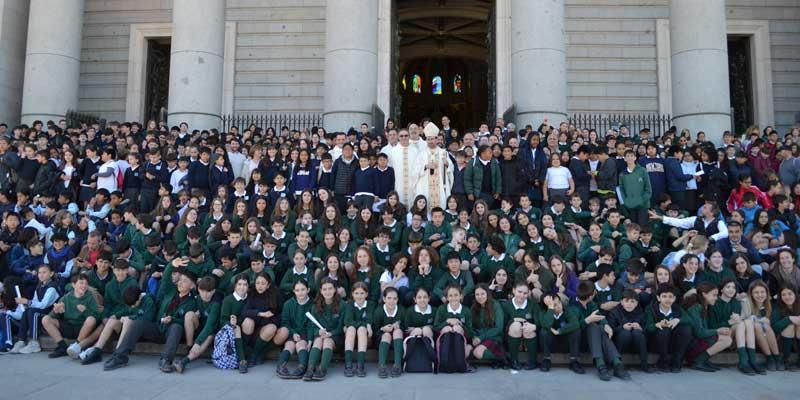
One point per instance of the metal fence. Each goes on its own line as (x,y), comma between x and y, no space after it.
(657,123)
(77,119)
(275,121)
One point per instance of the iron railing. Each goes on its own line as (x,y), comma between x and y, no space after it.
(658,124)
(78,119)
(274,121)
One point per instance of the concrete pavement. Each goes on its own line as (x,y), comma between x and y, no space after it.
(37,377)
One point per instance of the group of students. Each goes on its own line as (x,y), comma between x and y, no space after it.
(253,254)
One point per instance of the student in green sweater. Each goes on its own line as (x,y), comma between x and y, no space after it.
(365,270)
(487,327)
(521,314)
(559,329)
(230,315)
(381,251)
(300,271)
(388,319)
(629,247)
(454,276)
(786,320)
(395,228)
(727,313)
(716,271)
(453,316)
(357,329)
(510,239)
(760,301)
(418,320)
(634,189)
(294,331)
(437,231)
(113,307)
(590,247)
(73,316)
(596,331)
(424,272)
(496,250)
(328,309)
(206,319)
(707,340)
(536,275)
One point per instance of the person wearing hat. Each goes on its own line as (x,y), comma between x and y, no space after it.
(437,181)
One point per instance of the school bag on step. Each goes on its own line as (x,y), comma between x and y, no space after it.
(224,354)
(419,354)
(451,353)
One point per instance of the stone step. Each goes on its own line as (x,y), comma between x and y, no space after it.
(728,358)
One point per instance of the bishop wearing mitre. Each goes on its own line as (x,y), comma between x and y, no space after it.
(437,179)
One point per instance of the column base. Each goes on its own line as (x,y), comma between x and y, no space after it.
(196,120)
(536,118)
(342,121)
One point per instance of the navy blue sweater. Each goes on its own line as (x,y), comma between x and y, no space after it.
(385,182)
(365,180)
(199,176)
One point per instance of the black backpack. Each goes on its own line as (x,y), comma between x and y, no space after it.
(451,349)
(419,354)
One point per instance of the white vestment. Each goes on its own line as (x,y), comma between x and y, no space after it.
(436,187)
(409,165)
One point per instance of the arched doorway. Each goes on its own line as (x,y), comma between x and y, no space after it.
(443,56)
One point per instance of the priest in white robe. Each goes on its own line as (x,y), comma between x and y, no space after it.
(437,180)
(408,161)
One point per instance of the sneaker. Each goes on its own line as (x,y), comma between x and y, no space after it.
(180,365)
(514,365)
(621,373)
(348,371)
(93,355)
(361,372)
(309,376)
(298,372)
(396,372)
(83,354)
(319,375)
(31,347)
(17,347)
(383,373)
(603,374)
(576,367)
(6,348)
(282,370)
(116,361)
(167,368)
(243,367)
(546,364)
(59,351)
(74,351)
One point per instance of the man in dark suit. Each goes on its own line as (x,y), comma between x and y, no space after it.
(530,151)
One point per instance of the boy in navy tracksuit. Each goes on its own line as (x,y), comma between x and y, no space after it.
(326,172)
(365,182)
(199,172)
(384,177)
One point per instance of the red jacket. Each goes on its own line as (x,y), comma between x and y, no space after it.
(735,201)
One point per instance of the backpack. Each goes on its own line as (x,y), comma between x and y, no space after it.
(451,353)
(224,354)
(419,354)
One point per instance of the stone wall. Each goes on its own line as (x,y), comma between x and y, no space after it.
(13,31)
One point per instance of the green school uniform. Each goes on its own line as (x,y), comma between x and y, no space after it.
(372,278)
(546,277)
(716,277)
(445,232)
(444,313)
(608,229)
(528,310)
(202,268)
(283,243)
(552,248)
(112,301)
(584,311)
(628,250)
(779,319)
(178,312)
(655,315)
(293,317)
(321,227)
(585,253)
(720,313)
(536,249)
(511,241)
(181,237)
(463,280)
(225,283)
(289,221)
(292,276)
(493,263)
(699,323)
(445,250)
(565,323)
(427,281)
(490,330)
(346,252)
(231,305)
(581,217)
(382,257)
(381,317)
(407,231)
(611,293)
(98,282)
(416,318)
(71,315)
(139,239)
(332,321)
(209,318)
(358,316)
(308,250)
(450,217)
(533,213)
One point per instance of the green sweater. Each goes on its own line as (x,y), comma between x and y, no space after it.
(473,177)
(358,317)
(445,232)
(416,319)
(177,313)
(699,323)
(292,276)
(585,253)
(209,318)
(293,316)
(381,319)
(715,277)
(330,320)
(372,279)
(530,312)
(144,311)
(71,314)
(779,319)
(492,264)
(230,306)
(720,313)
(565,323)
(463,280)
(634,188)
(112,302)
(585,311)
(546,277)
(464,315)
(491,330)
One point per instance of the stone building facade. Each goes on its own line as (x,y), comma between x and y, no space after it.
(343,58)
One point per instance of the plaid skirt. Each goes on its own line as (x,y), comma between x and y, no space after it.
(697,346)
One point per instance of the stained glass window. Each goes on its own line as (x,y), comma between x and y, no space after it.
(416,84)
(436,85)
(403,82)
(457,84)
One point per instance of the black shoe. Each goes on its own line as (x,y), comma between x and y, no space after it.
(180,365)
(703,366)
(576,367)
(116,361)
(382,372)
(771,364)
(396,372)
(348,371)
(675,369)
(758,368)
(663,367)
(361,372)
(282,370)
(167,368)
(252,360)
(746,369)
(243,367)
(546,364)
(59,351)
(781,365)
(319,375)
(93,355)
(646,368)
(471,369)
(309,376)
(713,366)
(530,366)
(603,374)
(621,373)
(298,373)
(515,365)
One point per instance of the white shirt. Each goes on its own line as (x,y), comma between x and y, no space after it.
(558,178)
(456,311)
(108,182)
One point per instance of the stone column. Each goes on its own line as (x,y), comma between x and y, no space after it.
(699,49)
(196,63)
(351,63)
(52,59)
(538,61)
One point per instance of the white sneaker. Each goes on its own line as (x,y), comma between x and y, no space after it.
(17,347)
(31,347)
(74,351)
(82,356)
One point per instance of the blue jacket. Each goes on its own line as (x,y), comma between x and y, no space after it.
(655,169)
(219,178)
(676,179)
(537,167)
(21,267)
(303,179)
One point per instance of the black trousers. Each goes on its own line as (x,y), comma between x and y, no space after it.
(599,344)
(671,344)
(639,216)
(174,335)
(148,200)
(550,342)
(632,340)
(137,330)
